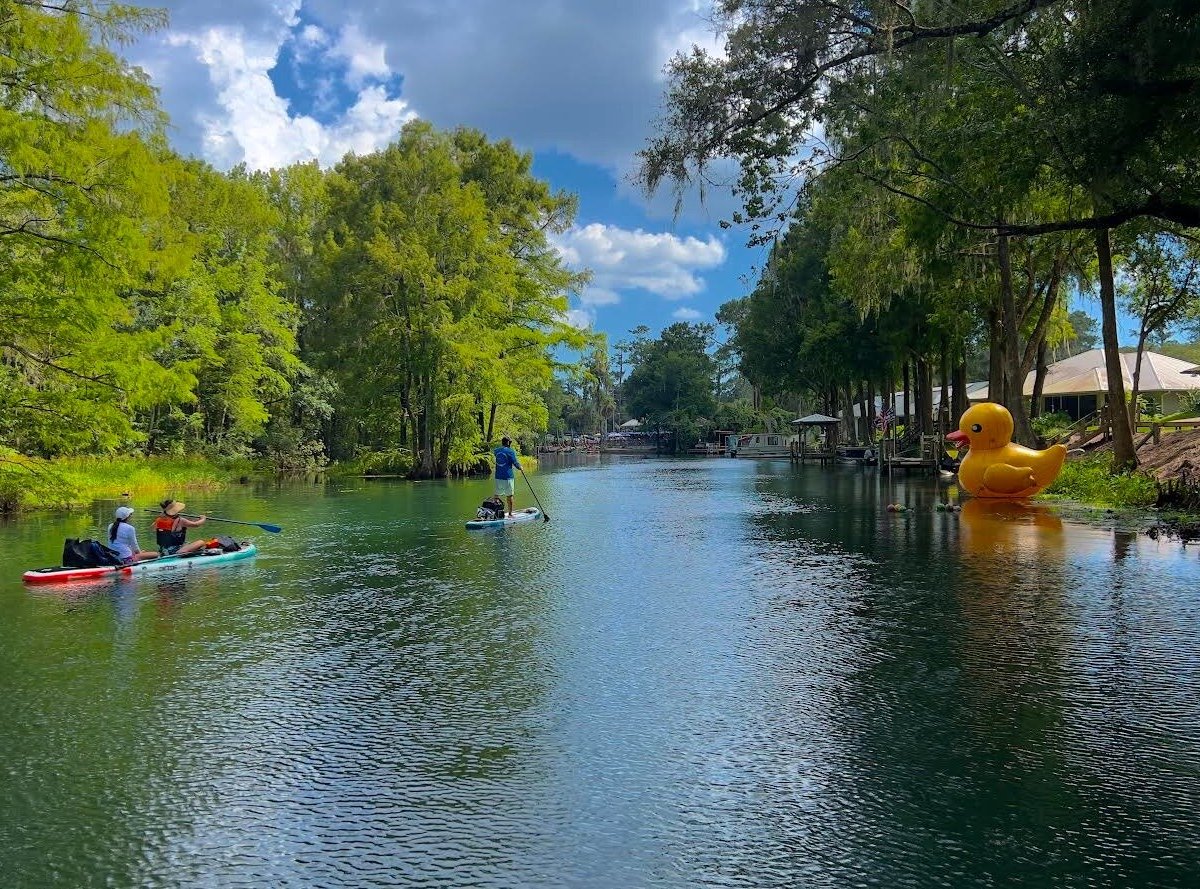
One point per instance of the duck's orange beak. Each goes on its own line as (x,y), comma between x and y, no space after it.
(958,437)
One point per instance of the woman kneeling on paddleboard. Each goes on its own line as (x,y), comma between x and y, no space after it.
(170,530)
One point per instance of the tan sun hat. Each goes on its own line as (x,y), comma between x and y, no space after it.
(172,507)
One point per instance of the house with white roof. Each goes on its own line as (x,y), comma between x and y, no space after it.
(1078,386)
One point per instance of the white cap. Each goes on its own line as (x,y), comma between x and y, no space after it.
(123,512)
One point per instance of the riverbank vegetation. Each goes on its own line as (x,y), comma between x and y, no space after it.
(405,300)
(71,482)
(1092,481)
(932,182)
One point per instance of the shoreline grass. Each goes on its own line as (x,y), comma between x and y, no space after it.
(1091,481)
(75,482)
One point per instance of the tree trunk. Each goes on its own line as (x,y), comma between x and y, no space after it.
(442,466)
(870,410)
(1124,455)
(997,391)
(943,417)
(1039,381)
(1137,375)
(961,403)
(861,421)
(1014,379)
(924,396)
(491,424)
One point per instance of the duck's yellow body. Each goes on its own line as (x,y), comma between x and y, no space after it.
(994,466)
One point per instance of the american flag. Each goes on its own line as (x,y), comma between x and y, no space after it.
(884,419)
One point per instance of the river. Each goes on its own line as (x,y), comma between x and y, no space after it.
(720,673)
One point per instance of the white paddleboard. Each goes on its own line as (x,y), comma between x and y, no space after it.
(525,515)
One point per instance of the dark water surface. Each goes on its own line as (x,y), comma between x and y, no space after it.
(721,673)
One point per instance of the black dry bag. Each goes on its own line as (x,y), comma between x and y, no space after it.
(88,553)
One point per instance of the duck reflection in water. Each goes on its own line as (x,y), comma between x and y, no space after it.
(1010,545)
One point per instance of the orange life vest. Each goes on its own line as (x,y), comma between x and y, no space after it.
(165,535)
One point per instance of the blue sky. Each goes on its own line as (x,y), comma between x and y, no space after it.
(576,82)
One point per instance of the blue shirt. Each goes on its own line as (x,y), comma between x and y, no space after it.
(506,459)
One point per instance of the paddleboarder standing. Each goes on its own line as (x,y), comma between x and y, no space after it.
(506,459)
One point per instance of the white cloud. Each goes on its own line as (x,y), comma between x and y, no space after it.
(584,79)
(365,58)
(251,123)
(580,318)
(599,296)
(683,313)
(660,263)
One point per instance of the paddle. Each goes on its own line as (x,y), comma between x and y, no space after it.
(545,515)
(274,529)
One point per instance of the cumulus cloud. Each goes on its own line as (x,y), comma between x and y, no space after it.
(214,71)
(364,57)
(255,125)
(683,313)
(581,78)
(661,263)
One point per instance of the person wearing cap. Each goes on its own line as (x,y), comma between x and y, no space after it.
(122,537)
(506,459)
(170,530)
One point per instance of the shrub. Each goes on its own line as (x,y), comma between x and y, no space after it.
(1090,480)
(398,461)
(1050,426)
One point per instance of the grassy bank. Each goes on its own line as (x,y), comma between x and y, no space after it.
(74,482)
(1091,481)
(401,463)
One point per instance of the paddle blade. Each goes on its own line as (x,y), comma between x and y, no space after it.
(546,517)
(274,529)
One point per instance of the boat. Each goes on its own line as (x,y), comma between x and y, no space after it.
(524,515)
(760,444)
(858,455)
(166,563)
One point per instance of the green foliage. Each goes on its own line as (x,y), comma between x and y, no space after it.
(79,198)
(671,388)
(1050,426)
(435,254)
(1092,481)
(972,155)
(409,300)
(70,482)
(394,462)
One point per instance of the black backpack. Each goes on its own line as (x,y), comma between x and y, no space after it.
(88,553)
(228,544)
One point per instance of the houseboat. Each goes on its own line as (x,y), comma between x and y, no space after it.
(760,444)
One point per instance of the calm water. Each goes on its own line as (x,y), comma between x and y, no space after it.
(723,673)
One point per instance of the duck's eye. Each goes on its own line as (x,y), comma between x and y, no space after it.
(975,427)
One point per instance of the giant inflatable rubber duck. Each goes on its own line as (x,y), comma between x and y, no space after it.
(994,466)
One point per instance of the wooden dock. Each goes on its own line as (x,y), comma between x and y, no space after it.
(928,456)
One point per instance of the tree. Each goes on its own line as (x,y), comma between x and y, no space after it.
(975,113)
(1162,288)
(80,192)
(439,296)
(671,387)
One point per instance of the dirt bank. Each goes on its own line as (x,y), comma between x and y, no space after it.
(1175,454)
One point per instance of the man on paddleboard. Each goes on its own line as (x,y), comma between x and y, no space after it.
(506,459)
